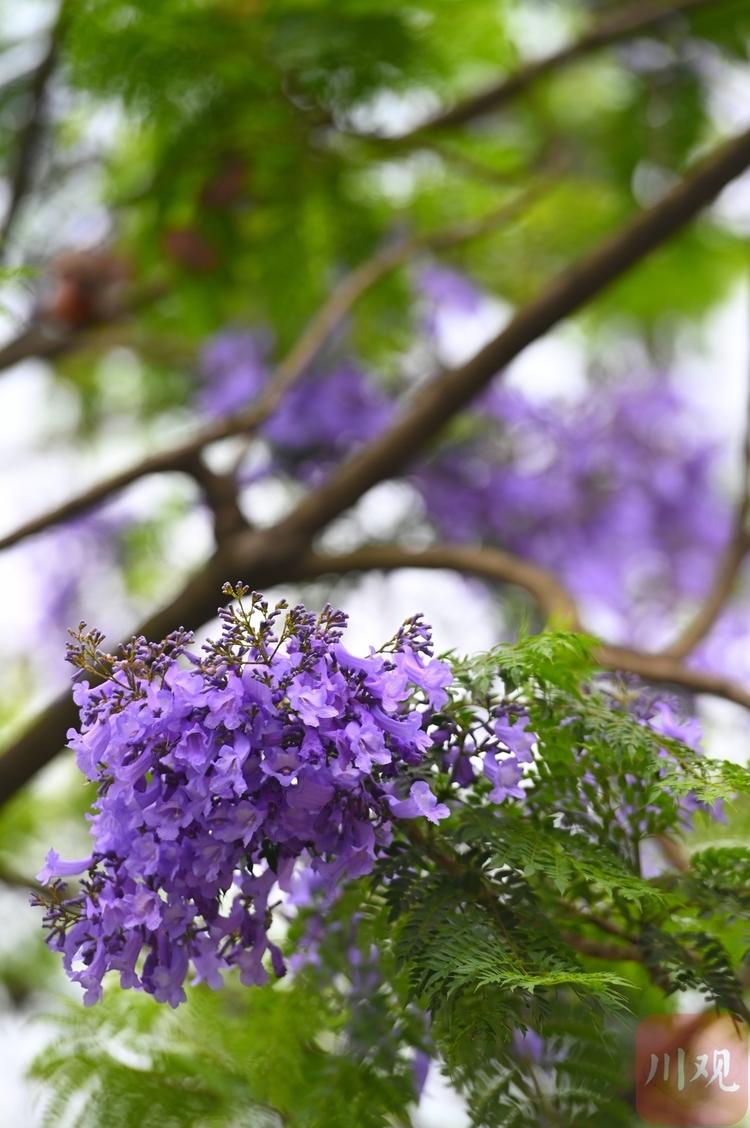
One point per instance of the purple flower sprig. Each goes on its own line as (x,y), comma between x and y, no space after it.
(493,741)
(223,778)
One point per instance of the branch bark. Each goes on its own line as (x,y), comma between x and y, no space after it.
(553,600)
(450,391)
(264,560)
(726,576)
(664,670)
(438,401)
(556,604)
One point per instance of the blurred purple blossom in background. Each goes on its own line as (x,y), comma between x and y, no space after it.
(619,496)
(595,491)
(596,494)
(233,370)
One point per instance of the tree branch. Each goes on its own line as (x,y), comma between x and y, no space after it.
(264,559)
(665,670)
(182,457)
(438,401)
(30,134)
(269,556)
(221,495)
(730,563)
(552,598)
(640,17)
(44,338)
(450,391)
(443,856)
(554,601)
(714,603)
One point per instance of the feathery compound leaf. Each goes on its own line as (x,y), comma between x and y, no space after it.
(570,861)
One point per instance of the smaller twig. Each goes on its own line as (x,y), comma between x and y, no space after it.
(730,563)
(638,17)
(674,852)
(601,923)
(31,131)
(447,860)
(470,165)
(220,493)
(662,668)
(374,270)
(600,951)
(181,457)
(45,339)
(550,595)
(489,563)
(9,876)
(714,603)
(487,895)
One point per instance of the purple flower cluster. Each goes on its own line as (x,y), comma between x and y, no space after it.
(445,291)
(221,776)
(617,497)
(664,719)
(495,748)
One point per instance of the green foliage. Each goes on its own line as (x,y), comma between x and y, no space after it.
(580,1084)
(268,1057)
(720,875)
(248,169)
(542,852)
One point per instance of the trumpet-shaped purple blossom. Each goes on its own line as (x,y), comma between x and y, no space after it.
(221,775)
(421,802)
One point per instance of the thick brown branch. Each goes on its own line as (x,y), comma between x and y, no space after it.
(437,402)
(450,391)
(665,670)
(221,496)
(264,559)
(552,598)
(714,603)
(270,556)
(625,24)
